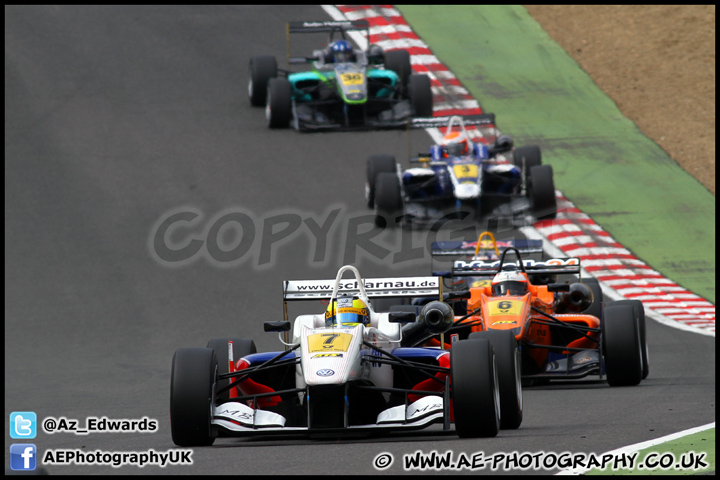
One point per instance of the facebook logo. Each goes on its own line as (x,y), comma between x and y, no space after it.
(23,456)
(23,425)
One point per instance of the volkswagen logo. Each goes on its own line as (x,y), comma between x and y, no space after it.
(325,372)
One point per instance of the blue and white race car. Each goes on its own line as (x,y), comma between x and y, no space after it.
(461,177)
(347,369)
(347,88)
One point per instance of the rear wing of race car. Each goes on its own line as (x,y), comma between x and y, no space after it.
(440,249)
(364,288)
(324,26)
(327,26)
(483,119)
(552,266)
(368,287)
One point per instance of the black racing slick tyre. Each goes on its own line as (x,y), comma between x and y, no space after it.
(475,393)
(377,164)
(621,345)
(507,359)
(421,96)
(388,200)
(278,111)
(595,307)
(192,396)
(240,348)
(399,62)
(262,69)
(542,192)
(527,157)
(639,311)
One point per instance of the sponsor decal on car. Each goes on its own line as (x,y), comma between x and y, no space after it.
(352,78)
(333,342)
(505,307)
(465,171)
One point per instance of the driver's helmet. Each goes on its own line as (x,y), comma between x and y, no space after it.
(347,311)
(509,283)
(341,51)
(455,144)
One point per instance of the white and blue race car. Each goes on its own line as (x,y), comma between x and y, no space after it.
(491,178)
(348,369)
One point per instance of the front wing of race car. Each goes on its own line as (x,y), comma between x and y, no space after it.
(237,418)
(334,114)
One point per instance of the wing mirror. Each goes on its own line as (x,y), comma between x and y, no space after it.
(402,317)
(277,326)
(558,287)
(460,294)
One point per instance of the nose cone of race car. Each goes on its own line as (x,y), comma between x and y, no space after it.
(466,191)
(331,356)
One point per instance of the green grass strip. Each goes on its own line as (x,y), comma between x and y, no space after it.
(687,451)
(602,162)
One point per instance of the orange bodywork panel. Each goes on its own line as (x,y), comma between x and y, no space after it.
(514,313)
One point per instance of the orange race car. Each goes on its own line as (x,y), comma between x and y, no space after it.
(559,330)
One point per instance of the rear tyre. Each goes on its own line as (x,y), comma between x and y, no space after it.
(621,341)
(399,62)
(377,164)
(241,348)
(421,95)
(388,200)
(278,111)
(191,396)
(595,308)
(529,156)
(639,311)
(262,69)
(542,192)
(475,394)
(507,358)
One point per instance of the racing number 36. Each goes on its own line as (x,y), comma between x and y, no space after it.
(352,78)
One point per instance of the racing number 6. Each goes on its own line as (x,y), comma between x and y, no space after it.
(504,305)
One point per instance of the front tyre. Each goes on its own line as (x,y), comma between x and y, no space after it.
(191,396)
(475,395)
(639,312)
(507,358)
(621,342)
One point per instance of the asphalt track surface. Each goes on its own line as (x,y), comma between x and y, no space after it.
(117,117)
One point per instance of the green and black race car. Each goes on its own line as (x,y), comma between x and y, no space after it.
(347,87)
